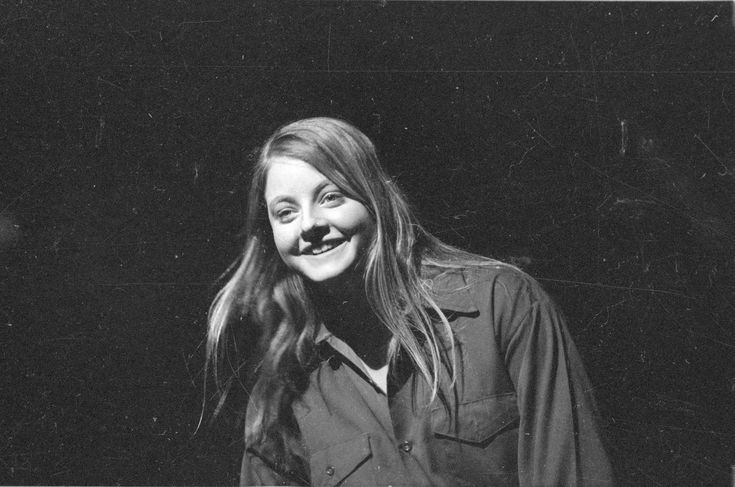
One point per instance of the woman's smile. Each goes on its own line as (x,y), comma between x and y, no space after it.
(322,248)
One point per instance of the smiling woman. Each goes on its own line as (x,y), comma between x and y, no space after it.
(384,356)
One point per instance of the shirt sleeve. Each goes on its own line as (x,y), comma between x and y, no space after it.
(559,439)
(259,469)
(255,471)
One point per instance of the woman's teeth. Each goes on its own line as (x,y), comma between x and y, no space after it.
(320,249)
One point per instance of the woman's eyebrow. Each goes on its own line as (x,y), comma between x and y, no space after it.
(279,198)
(319,187)
(285,197)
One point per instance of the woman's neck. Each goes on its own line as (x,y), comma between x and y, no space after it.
(351,318)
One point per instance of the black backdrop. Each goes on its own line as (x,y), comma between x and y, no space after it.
(591,143)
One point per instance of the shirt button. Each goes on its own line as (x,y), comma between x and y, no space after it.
(334,362)
(330,471)
(406,446)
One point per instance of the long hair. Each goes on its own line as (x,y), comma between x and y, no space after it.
(264,296)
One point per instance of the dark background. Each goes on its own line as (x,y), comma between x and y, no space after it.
(591,143)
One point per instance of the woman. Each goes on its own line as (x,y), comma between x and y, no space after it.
(384,356)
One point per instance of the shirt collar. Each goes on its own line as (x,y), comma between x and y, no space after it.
(323,333)
(452,292)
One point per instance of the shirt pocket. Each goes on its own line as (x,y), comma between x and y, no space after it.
(476,422)
(346,463)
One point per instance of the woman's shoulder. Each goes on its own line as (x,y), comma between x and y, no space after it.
(493,282)
(498,298)
(491,273)
(504,276)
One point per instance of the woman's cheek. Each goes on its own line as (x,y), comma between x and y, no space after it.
(281,237)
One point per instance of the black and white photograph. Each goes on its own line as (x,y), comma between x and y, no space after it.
(367,243)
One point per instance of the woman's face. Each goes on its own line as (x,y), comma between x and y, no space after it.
(319,231)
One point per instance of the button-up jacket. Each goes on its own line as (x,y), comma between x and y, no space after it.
(520,411)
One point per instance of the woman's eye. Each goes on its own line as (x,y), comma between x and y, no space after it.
(332,197)
(284,214)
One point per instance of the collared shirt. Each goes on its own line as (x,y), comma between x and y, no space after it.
(343,352)
(520,411)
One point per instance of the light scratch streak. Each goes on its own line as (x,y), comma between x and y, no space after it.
(727,170)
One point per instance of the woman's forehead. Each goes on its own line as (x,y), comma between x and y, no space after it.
(287,175)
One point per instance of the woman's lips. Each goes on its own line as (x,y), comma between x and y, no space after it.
(323,247)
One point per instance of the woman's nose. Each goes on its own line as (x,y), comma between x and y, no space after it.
(313,228)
